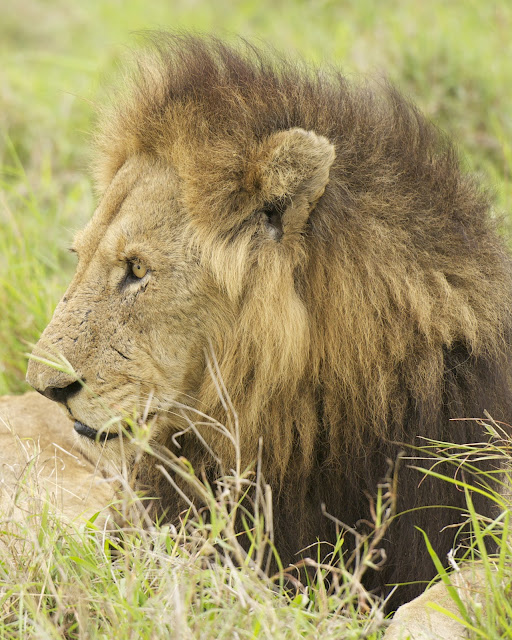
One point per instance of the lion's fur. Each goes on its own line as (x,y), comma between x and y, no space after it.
(361,317)
(41,464)
(436,613)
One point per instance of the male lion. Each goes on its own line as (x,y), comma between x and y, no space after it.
(320,239)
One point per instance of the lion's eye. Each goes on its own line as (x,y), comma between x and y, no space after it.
(139,270)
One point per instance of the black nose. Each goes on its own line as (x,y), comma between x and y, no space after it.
(62,394)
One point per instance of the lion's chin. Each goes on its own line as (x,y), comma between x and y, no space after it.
(84,430)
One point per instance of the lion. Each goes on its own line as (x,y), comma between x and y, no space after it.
(41,464)
(321,240)
(436,614)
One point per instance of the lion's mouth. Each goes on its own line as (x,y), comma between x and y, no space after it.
(84,430)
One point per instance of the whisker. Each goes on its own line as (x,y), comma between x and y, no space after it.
(154,385)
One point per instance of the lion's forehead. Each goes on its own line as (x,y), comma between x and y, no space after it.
(140,212)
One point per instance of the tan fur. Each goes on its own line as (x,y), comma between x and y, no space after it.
(41,463)
(319,239)
(436,616)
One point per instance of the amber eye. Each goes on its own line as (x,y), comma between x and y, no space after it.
(139,270)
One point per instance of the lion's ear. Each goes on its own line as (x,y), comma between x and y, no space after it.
(292,167)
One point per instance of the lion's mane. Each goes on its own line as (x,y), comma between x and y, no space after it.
(385,317)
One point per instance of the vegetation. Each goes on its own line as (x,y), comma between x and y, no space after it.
(126,578)
(194,582)
(56,581)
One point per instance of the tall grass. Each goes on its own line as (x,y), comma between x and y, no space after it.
(208,576)
(216,573)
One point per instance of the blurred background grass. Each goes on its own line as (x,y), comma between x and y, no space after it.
(452,58)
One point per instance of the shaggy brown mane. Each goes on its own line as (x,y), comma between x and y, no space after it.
(386,314)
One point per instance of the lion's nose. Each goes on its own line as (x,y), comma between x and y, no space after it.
(62,394)
(56,385)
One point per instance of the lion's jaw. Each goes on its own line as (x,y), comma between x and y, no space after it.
(136,343)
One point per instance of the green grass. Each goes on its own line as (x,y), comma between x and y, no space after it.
(59,580)
(452,58)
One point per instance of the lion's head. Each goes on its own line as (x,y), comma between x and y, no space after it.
(320,240)
(151,293)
